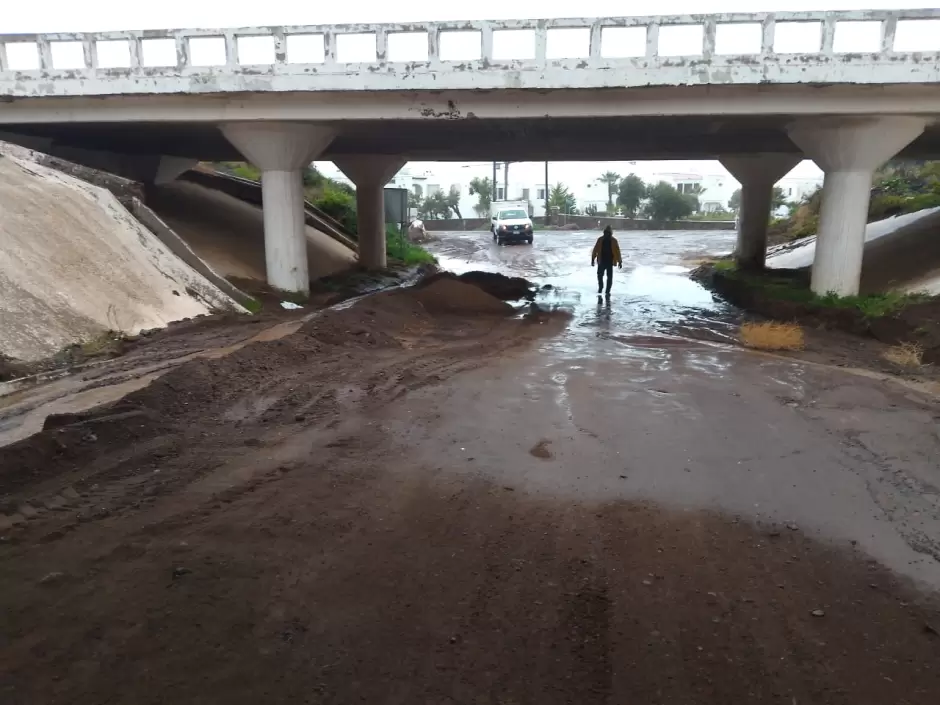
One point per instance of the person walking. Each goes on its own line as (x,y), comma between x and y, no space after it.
(606,253)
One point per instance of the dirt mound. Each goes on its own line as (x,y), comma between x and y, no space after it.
(70,441)
(494,284)
(501,286)
(343,333)
(280,381)
(447,295)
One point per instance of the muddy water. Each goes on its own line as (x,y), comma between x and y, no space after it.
(652,299)
(643,397)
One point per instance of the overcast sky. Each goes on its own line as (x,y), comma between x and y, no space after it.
(101,15)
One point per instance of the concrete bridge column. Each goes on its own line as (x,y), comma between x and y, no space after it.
(757,174)
(848,150)
(370,174)
(281,150)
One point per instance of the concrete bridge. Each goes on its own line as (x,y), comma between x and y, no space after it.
(757,91)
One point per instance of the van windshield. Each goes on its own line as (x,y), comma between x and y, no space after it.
(512,215)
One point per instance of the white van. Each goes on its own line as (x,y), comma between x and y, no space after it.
(510,222)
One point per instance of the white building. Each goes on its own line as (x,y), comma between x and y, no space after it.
(715,190)
(526,182)
(420,182)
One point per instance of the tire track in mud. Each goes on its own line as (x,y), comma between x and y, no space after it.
(215,423)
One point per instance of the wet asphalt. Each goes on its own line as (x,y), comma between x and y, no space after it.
(645,397)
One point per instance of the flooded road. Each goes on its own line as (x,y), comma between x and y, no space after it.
(396,505)
(651,294)
(642,397)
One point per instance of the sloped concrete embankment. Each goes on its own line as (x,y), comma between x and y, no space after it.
(250,192)
(901,253)
(228,233)
(74,264)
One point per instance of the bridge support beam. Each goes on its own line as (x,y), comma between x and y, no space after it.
(281,150)
(848,150)
(757,174)
(370,174)
(146,168)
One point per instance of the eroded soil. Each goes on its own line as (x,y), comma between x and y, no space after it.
(416,499)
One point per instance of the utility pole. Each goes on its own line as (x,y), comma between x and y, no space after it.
(506,181)
(546,192)
(493,195)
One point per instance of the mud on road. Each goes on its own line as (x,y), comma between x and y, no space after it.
(300,521)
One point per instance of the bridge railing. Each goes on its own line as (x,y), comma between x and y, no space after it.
(417,47)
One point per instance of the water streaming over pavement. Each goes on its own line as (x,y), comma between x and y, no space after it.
(653,302)
(643,397)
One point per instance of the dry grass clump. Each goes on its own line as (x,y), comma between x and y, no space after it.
(908,355)
(771,335)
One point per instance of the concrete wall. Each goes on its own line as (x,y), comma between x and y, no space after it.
(587,222)
(74,263)
(179,248)
(598,222)
(457,224)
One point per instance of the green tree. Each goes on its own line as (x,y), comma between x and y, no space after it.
(561,198)
(630,194)
(591,209)
(435,207)
(907,177)
(664,202)
(612,179)
(312,177)
(483,190)
(453,200)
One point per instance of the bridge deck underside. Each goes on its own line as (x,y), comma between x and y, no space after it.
(526,139)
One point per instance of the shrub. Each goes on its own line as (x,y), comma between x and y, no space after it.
(886,206)
(908,355)
(399,247)
(340,205)
(313,178)
(772,336)
(242,169)
(922,201)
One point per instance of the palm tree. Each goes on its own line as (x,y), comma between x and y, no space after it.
(612,179)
